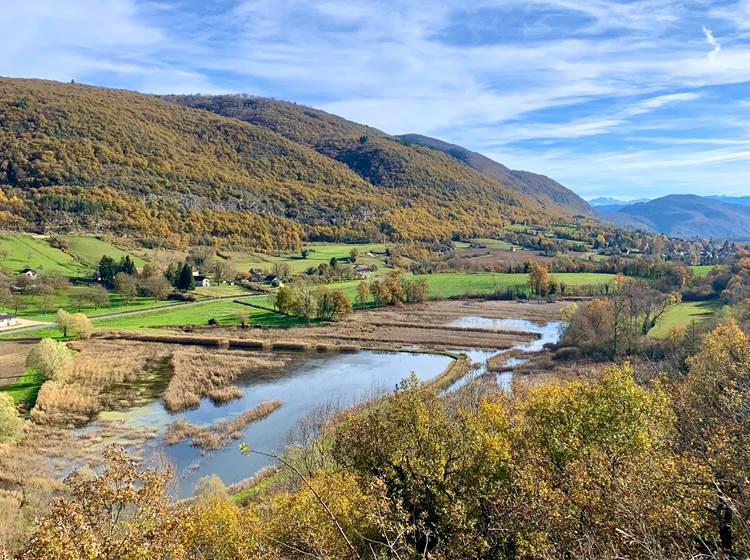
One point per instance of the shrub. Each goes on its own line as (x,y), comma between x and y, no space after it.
(10,423)
(51,359)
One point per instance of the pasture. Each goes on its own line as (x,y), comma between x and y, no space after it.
(682,314)
(89,249)
(21,251)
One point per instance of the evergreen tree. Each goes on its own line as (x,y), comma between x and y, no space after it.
(186,281)
(107,270)
(127,265)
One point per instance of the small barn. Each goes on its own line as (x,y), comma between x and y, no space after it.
(203,281)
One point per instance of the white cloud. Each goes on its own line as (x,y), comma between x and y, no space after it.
(711,41)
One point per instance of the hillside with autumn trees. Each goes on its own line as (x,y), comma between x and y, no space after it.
(76,157)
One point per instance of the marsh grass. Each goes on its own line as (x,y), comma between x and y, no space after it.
(220,434)
(198,374)
(101,374)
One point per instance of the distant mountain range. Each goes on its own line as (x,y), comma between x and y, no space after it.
(609,204)
(687,216)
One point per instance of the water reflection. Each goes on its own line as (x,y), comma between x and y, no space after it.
(548,333)
(303,385)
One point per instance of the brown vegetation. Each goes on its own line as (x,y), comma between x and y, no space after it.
(198,374)
(220,434)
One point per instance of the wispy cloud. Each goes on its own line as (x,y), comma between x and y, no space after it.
(711,41)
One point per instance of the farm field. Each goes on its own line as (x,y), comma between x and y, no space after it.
(454,284)
(223,311)
(682,314)
(90,249)
(319,253)
(20,251)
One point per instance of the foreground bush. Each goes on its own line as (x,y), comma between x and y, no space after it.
(591,469)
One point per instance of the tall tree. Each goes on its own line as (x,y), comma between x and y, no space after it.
(186,280)
(107,270)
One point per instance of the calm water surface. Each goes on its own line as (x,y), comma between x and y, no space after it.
(306,383)
(548,333)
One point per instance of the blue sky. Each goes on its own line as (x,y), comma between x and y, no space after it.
(628,99)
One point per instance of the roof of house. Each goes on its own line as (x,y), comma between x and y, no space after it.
(28,270)
(4,316)
(200,278)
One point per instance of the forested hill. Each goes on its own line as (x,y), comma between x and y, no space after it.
(547,192)
(397,162)
(81,157)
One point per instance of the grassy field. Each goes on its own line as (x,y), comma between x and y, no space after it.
(494,243)
(222,290)
(319,253)
(701,270)
(20,251)
(24,389)
(454,284)
(90,249)
(65,301)
(223,311)
(682,314)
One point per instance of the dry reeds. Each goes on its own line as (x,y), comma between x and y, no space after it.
(63,403)
(248,344)
(290,346)
(208,374)
(220,434)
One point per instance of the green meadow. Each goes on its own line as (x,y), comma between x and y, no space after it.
(21,251)
(454,284)
(89,249)
(682,314)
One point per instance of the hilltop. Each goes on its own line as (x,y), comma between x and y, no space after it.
(547,192)
(390,161)
(77,157)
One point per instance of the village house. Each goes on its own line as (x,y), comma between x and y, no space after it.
(362,269)
(273,280)
(29,273)
(7,320)
(257,275)
(203,281)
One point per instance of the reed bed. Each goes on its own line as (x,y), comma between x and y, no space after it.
(64,403)
(220,434)
(176,339)
(199,374)
(497,362)
(100,372)
(247,343)
(290,346)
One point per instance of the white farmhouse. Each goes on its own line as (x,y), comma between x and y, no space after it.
(7,320)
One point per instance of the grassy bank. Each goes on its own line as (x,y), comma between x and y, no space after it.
(682,314)
(24,390)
